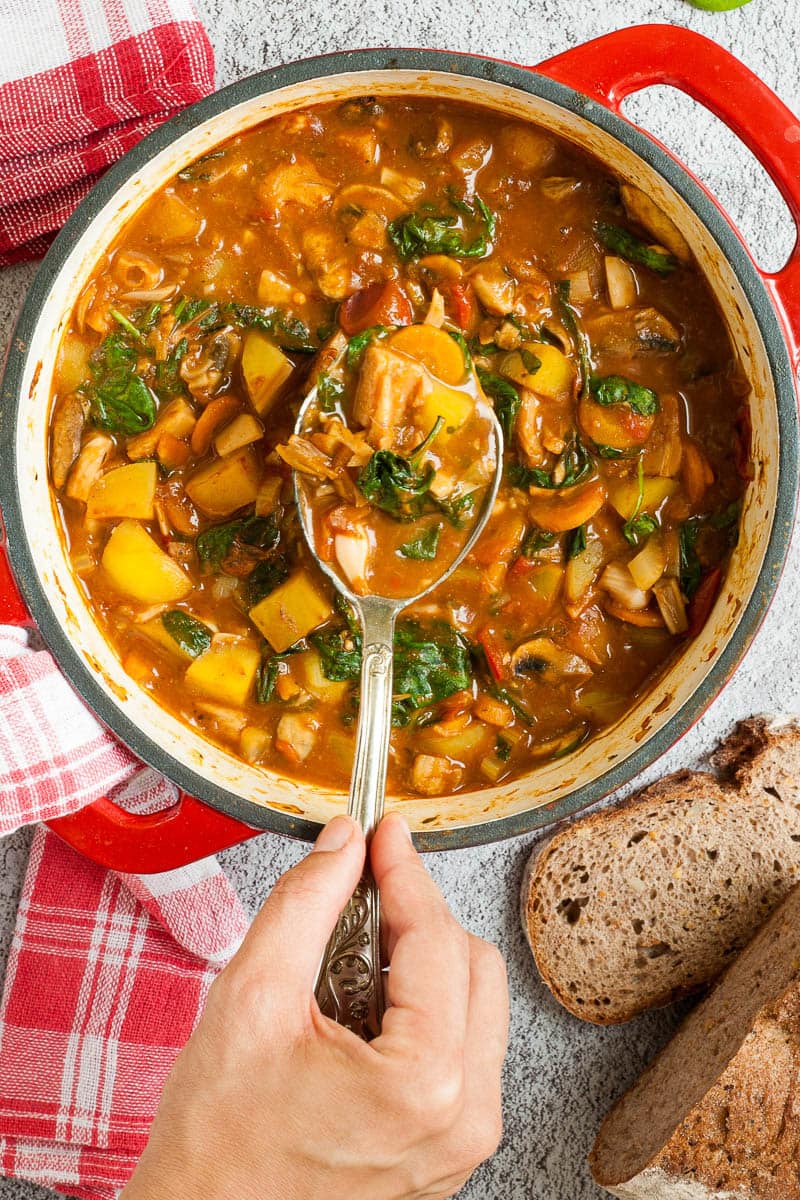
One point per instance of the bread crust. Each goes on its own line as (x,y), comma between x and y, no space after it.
(759,764)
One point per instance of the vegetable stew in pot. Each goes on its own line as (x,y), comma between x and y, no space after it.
(411,258)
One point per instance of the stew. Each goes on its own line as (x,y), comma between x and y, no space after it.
(394,252)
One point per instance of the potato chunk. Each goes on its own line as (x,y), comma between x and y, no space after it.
(226,671)
(127,491)
(265,369)
(290,612)
(226,484)
(137,566)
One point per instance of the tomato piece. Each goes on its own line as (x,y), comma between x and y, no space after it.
(382,303)
(493,649)
(460,303)
(703,600)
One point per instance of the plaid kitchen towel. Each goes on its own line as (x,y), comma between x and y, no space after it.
(81,81)
(107,973)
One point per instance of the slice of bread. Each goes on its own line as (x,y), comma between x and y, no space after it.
(639,905)
(716,1115)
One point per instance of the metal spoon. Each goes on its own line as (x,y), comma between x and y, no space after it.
(349,986)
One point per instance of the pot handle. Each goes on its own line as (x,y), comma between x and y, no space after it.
(611,67)
(144,844)
(133,842)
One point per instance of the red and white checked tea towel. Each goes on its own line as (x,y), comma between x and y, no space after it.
(107,973)
(81,81)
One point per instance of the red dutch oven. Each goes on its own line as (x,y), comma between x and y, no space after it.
(577,95)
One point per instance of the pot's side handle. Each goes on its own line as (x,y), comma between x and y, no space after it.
(141,844)
(614,66)
(133,842)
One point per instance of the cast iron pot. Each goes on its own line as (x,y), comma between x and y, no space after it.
(578,96)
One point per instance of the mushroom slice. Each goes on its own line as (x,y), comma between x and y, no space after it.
(65,445)
(543,659)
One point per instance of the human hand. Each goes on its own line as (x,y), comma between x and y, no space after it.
(270,1100)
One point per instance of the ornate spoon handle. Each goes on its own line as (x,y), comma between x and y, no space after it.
(350,983)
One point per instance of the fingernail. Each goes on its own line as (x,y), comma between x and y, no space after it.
(403,823)
(336,834)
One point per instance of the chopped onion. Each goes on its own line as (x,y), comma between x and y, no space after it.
(648,565)
(672,605)
(621,282)
(618,582)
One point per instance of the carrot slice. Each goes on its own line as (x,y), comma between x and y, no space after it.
(568,508)
(171,452)
(703,600)
(215,414)
(696,472)
(434,348)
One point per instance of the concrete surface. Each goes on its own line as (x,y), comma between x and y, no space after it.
(561,1076)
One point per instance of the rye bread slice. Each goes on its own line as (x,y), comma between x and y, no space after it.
(716,1116)
(636,906)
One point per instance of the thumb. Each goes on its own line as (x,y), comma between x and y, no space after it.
(288,936)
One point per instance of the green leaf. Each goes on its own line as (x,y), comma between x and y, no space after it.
(168,382)
(622,242)
(690,568)
(215,544)
(340,654)
(329,391)
(505,397)
(458,337)
(119,399)
(536,541)
(358,344)
(616,389)
(519,710)
(577,543)
(265,577)
(457,509)
(393,483)
(608,452)
(194,173)
(572,322)
(269,670)
(420,233)
(191,635)
(424,546)
(126,324)
(639,524)
(574,461)
(502,749)
(529,361)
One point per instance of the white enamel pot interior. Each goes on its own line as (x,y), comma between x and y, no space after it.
(262,797)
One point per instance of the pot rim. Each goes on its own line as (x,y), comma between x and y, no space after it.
(22,557)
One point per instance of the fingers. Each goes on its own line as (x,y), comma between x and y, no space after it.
(428,983)
(485,1049)
(287,939)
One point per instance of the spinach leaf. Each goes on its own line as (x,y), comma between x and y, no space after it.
(420,233)
(506,400)
(119,399)
(269,670)
(190,634)
(536,541)
(358,344)
(577,543)
(393,483)
(608,451)
(616,389)
(424,546)
(290,332)
(126,324)
(572,465)
(622,242)
(329,391)
(502,749)
(529,361)
(168,382)
(428,665)
(457,509)
(339,652)
(519,710)
(191,174)
(215,544)
(572,322)
(265,577)
(690,568)
(458,337)
(727,520)
(639,525)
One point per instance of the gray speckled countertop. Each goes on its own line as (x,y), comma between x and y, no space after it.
(561,1075)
